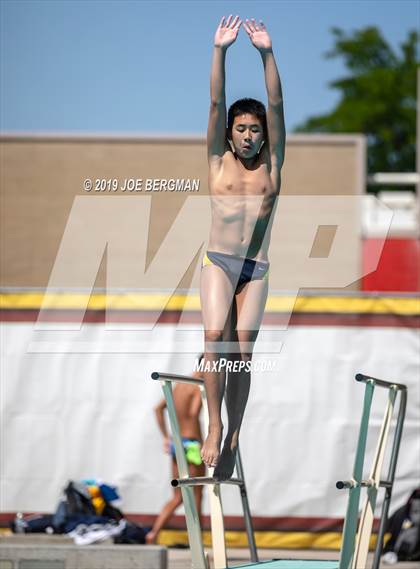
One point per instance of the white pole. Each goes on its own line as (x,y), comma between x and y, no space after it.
(216,507)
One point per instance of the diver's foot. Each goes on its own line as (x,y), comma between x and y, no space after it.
(151,537)
(210,450)
(226,464)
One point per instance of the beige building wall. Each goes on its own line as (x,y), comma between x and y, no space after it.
(42,175)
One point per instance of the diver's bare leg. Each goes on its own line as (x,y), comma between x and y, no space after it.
(216,293)
(250,304)
(168,509)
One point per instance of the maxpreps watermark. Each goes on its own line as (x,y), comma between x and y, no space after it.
(118,226)
(235,366)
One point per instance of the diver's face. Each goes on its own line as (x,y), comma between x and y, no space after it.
(247,135)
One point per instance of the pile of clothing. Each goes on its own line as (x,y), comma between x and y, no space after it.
(404,529)
(89,512)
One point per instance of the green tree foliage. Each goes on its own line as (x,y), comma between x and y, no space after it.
(378,97)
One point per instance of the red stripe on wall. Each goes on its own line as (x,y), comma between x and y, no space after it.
(398,268)
(232,523)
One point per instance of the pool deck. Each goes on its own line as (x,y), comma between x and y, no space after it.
(181,558)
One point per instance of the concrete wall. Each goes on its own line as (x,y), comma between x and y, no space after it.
(42,175)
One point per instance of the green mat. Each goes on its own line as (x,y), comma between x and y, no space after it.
(293,564)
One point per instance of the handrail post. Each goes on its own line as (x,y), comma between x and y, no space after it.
(354,550)
(186,482)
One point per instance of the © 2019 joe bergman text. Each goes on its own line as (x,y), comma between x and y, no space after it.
(140,185)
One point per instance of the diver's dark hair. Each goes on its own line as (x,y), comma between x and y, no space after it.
(251,106)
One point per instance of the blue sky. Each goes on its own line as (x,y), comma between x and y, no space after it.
(141,67)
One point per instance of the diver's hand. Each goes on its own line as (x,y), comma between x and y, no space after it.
(227,32)
(167,445)
(258,35)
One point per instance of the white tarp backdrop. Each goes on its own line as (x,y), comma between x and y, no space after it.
(83,415)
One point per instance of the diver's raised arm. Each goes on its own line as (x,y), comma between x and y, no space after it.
(225,35)
(261,40)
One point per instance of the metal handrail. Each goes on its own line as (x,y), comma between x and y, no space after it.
(352,549)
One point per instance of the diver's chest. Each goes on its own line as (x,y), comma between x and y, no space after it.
(256,182)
